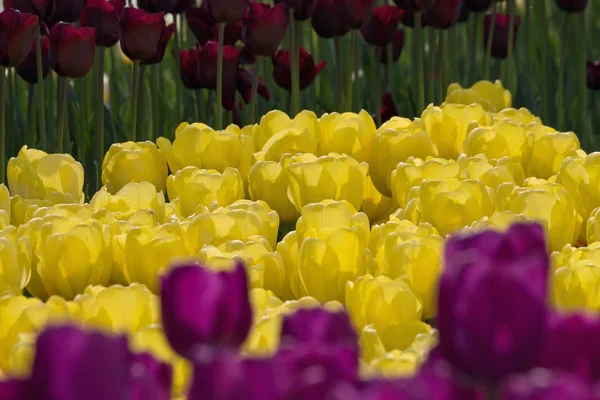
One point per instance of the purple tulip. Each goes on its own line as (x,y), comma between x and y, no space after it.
(42,8)
(492,301)
(66,10)
(444,14)
(144,36)
(150,378)
(155,6)
(329,19)
(397,47)
(478,6)
(542,384)
(203,309)
(28,68)
(282,69)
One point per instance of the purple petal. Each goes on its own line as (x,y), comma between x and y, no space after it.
(541,384)
(13,389)
(318,325)
(150,378)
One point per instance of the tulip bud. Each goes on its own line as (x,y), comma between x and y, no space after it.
(282,69)
(572,6)
(303,9)
(265,28)
(593,75)
(444,13)
(492,173)
(225,11)
(318,325)
(105,17)
(500,39)
(28,68)
(15,261)
(330,18)
(200,23)
(42,8)
(549,151)
(73,50)
(492,96)
(381,28)
(144,36)
(131,198)
(17,31)
(347,133)
(208,74)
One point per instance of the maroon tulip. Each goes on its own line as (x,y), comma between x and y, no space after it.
(408,19)
(383,24)
(244,85)
(155,6)
(308,69)
(478,6)
(358,12)
(500,39)
(189,68)
(572,6)
(17,31)
(329,19)
(66,10)
(444,13)
(463,16)
(28,68)
(397,46)
(105,17)
(73,49)
(225,11)
(265,29)
(181,6)
(233,33)
(414,5)
(144,36)
(41,8)
(201,24)
(593,75)
(208,73)
(388,108)
(303,9)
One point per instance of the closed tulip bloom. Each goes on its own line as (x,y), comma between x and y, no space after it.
(504,139)
(330,18)
(397,47)
(478,6)
(134,162)
(444,13)
(347,133)
(549,151)
(225,11)
(218,303)
(201,24)
(265,28)
(303,9)
(144,36)
(492,173)
(208,59)
(129,199)
(500,39)
(581,177)
(15,261)
(189,68)
(492,96)
(274,122)
(292,140)
(28,68)
(499,275)
(545,384)
(308,69)
(17,32)
(358,12)
(105,17)
(380,30)
(244,85)
(42,8)
(73,50)
(593,75)
(155,6)
(572,6)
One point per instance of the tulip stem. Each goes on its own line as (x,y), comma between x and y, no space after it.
(219,105)
(30,128)
(488,48)
(41,94)
(582,85)
(474,23)
(99,112)
(155,95)
(418,47)
(560,93)
(442,66)
(389,49)
(337,43)
(135,100)
(351,57)
(545,43)
(254,90)
(377,83)
(2,124)
(62,113)
(431,67)
(176,46)
(294,66)
(510,78)
(199,105)
(140,124)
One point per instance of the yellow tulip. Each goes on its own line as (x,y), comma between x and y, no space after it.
(238,221)
(152,340)
(335,177)
(5,206)
(291,140)
(593,227)
(274,122)
(118,309)
(549,151)
(407,229)
(81,211)
(492,173)
(414,171)
(492,96)
(572,256)
(15,261)
(133,196)
(548,203)
(134,162)
(394,142)
(347,133)
(22,210)
(288,248)
(34,174)
(452,205)
(577,287)
(377,206)
(265,268)
(504,139)
(389,305)
(262,300)
(191,187)
(150,252)
(269,181)
(449,125)
(581,178)
(499,221)
(72,254)
(521,115)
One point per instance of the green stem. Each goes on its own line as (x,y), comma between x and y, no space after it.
(419,63)
(488,48)
(442,65)
(135,100)
(62,113)
(584,126)
(141,96)
(560,95)
(253,92)
(2,124)
(199,105)
(390,67)
(30,129)
(219,105)
(294,65)
(40,83)
(209,108)
(431,67)
(176,46)
(155,96)
(99,111)
(545,44)
(472,64)
(510,75)
(377,84)
(337,42)
(351,57)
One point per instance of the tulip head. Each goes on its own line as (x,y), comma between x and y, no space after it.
(42,8)
(330,18)
(17,32)
(105,17)
(593,75)
(444,13)
(303,9)
(28,68)
(572,6)
(380,30)
(265,28)
(73,49)
(308,69)
(144,36)
(501,34)
(225,11)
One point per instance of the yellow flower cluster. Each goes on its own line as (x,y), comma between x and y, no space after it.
(328,211)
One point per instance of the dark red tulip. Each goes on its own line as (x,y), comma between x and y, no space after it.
(397,46)
(189,68)
(73,49)
(208,72)
(478,6)
(308,69)
(388,107)
(66,10)
(41,8)
(201,24)
(358,12)
(28,68)
(181,6)
(155,6)
(329,19)
(265,28)
(225,11)
(463,16)
(233,33)
(408,19)
(17,31)
(572,6)
(105,17)
(593,75)
(144,36)
(414,5)
(383,24)
(500,39)
(444,13)
(244,85)
(303,9)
